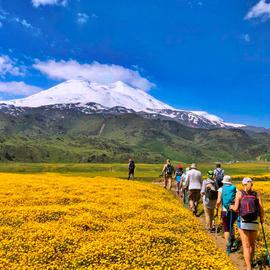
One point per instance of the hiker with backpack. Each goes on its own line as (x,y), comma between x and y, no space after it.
(178,175)
(167,172)
(194,186)
(219,174)
(209,193)
(226,198)
(131,169)
(183,186)
(249,204)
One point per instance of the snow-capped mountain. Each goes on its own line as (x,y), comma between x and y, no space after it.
(87,97)
(83,91)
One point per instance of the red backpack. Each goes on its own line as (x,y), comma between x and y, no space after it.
(249,206)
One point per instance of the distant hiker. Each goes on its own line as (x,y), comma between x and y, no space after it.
(226,198)
(178,175)
(131,169)
(183,186)
(167,172)
(210,194)
(219,174)
(250,207)
(194,186)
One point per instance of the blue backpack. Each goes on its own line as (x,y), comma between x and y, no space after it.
(228,196)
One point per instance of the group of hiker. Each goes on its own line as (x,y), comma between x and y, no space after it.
(218,192)
(244,206)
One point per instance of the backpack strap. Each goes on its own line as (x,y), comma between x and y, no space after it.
(252,193)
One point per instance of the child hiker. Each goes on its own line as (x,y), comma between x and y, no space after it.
(178,175)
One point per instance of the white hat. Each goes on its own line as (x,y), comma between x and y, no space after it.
(193,166)
(246,180)
(226,179)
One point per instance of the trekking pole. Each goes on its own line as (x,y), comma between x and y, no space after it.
(216,228)
(230,237)
(266,246)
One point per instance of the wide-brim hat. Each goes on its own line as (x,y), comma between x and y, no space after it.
(193,166)
(226,179)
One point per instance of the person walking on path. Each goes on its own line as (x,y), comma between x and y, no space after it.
(226,198)
(194,186)
(131,169)
(168,172)
(219,174)
(209,193)
(249,204)
(183,186)
(178,175)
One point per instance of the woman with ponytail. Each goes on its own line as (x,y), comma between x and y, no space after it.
(250,207)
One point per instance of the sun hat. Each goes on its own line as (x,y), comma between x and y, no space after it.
(168,161)
(246,180)
(226,179)
(193,166)
(210,173)
(179,166)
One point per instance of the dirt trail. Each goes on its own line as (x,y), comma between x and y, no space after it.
(235,257)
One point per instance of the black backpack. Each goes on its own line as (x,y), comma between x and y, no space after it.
(211,191)
(132,165)
(169,169)
(178,172)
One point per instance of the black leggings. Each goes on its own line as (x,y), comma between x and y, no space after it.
(131,173)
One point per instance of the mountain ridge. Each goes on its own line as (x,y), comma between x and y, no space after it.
(82,92)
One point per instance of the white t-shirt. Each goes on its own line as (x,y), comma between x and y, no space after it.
(194,179)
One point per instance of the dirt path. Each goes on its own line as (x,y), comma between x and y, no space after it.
(236,258)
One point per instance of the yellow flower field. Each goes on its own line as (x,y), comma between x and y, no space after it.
(49,221)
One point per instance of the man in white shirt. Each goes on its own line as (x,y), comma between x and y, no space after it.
(194,186)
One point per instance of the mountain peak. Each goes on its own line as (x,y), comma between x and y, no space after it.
(83,91)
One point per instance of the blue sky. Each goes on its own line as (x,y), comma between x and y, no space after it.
(209,55)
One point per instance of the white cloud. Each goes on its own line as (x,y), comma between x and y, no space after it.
(8,66)
(246,38)
(18,88)
(101,73)
(260,10)
(9,18)
(23,22)
(94,16)
(37,3)
(82,18)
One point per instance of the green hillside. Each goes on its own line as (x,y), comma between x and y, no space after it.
(63,136)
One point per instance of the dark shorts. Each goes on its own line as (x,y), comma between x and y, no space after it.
(226,219)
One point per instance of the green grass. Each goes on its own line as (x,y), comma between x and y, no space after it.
(145,172)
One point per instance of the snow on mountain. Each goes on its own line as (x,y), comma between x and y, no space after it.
(89,97)
(83,91)
(216,120)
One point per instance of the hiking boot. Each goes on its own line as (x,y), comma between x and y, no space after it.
(234,246)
